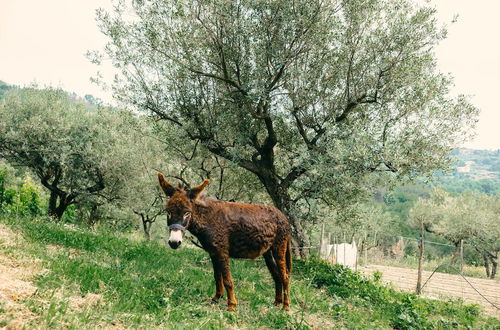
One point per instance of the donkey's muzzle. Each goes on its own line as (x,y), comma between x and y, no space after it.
(174,245)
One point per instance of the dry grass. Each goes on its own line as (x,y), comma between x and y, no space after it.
(15,281)
(18,293)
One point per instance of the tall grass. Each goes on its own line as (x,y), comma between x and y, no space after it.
(147,285)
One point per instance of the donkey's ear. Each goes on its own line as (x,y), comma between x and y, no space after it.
(167,188)
(195,192)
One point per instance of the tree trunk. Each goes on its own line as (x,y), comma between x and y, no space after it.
(282,200)
(56,210)
(93,216)
(486,265)
(455,254)
(494,264)
(146,225)
(2,192)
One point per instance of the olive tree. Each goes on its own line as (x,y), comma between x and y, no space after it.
(309,96)
(81,154)
(470,216)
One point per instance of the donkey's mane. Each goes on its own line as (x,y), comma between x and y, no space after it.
(205,200)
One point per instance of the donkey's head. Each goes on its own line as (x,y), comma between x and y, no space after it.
(180,208)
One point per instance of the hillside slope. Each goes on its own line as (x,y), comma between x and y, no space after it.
(88,279)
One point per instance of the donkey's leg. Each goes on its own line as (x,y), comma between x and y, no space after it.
(273,269)
(223,262)
(219,285)
(279,253)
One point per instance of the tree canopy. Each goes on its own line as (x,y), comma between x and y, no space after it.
(470,216)
(79,153)
(308,96)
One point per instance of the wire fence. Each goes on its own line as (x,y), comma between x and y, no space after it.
(433,269)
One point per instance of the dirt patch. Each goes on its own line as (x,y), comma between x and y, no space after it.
(17,271)
(484,292)
(55,249)
(90,300)
(8,237)
(15,284)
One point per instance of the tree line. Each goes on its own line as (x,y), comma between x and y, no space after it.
(308,105)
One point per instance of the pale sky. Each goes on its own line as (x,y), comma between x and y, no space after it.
(46,42)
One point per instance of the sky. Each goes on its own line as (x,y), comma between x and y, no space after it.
(46,41)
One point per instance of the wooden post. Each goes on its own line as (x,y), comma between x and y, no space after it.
(344,249)
(335,252)
(461,256)
(328,242)
(357,253)
(322,239)
(420,256)
(365,249)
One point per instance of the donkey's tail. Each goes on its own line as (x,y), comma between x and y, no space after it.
(289,258)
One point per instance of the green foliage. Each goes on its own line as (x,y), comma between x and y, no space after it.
(470,216)
(19,197)
(312,98)
(459,184)
(483,173)
(368,224)
(148,285)
(81,154)
(459,217)
(29,199)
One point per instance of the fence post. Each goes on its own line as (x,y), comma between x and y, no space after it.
(461,256)
(357,254)
(17,204)
(344,249)
(365,249)
(420,256)
(322,239)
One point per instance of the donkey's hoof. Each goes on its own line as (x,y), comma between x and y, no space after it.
(286,307)
(277,303)
(231,308)
(215,300)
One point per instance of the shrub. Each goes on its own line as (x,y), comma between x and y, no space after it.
(19,198)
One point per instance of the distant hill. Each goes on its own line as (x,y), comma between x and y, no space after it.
(477,164)
(88,98)
(473,170)
(4,88)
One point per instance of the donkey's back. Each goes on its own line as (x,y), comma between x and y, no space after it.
(253,229)
(250,230)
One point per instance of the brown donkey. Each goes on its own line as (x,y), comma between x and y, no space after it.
(231,230)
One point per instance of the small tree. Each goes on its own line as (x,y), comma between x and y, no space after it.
(470,216)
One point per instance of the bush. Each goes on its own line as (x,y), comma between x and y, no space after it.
(25,200)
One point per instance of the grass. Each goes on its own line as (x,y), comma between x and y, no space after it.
(146,285)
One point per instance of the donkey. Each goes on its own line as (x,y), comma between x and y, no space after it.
(231,230)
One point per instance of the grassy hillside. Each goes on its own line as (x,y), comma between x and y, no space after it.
(91,279)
